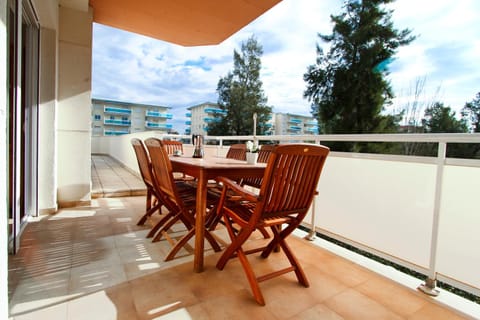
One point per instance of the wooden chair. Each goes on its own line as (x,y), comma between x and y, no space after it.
(145,168)
(263,155)
(171,146)
(288,187)
(237,151)
(180,204)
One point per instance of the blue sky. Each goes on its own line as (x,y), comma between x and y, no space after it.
(134,68)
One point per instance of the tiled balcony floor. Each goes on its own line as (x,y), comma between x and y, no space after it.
(111,179)
(95,263)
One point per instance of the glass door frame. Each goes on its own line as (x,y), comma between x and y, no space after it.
(23,60)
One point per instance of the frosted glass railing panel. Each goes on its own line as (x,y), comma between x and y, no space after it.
(459,236)
(386,205)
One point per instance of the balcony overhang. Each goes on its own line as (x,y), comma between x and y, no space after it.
(183,22)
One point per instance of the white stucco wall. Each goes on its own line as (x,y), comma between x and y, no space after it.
(74,101)
(47,160)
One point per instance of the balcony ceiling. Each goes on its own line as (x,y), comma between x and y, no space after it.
(183,22)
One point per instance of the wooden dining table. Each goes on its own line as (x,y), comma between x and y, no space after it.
(205,169)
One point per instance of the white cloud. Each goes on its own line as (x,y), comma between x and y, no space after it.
(139,69)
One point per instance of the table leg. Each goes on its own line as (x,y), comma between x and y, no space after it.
(201,209)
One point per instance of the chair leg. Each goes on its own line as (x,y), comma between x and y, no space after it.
(173,252)
(252,279)
(159,224)
(183,241)
(165,227)
(149,210)
(301,277)
(279,240)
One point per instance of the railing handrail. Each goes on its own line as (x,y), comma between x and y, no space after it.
(395,137)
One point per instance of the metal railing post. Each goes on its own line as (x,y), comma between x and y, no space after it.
(312,234)
(430,283)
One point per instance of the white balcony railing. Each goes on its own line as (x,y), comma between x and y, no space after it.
(419,212)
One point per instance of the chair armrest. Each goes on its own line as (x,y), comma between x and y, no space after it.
(239,193)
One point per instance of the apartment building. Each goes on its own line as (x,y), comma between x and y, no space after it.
(116,118)
(279,124)
(201,116)
(294,124)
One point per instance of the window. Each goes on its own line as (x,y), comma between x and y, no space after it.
(98,117)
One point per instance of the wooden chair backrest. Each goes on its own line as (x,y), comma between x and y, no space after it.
(237,151)
(162,170)
(172,145)
(143,160)
(263,155)
(264,152)
(290,180)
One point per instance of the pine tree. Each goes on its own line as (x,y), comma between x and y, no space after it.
(347,86)
(240,94)
(471,113)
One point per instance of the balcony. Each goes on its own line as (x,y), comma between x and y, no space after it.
(312,130)
(295,129)
(105,266)
(115,122)
(115,132)
(295,121)
(215,111)
(116,110)
(160,115)
(161,126)
(417,212)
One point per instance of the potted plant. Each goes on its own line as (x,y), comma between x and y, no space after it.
(252,151)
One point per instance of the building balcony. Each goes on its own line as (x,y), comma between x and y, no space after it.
(312,130)
(211,120)
(115,132)
(294,129)
(188,114)
(161,126)
(296,121)
(161,115)
(215,111)
(116,110)
(114,122)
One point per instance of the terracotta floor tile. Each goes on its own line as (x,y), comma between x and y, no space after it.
(352,305)
(317,312)
(401,300)
(94,262)
(433,311)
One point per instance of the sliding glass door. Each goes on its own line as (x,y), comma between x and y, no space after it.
(23,55)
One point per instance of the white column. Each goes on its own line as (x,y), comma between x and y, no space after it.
(74,106)
(47,161)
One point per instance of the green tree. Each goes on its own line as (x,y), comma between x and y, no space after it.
(441,119)
(240,94)
(471,113)
(347,86)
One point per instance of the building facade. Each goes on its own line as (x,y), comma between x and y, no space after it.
(293,124)
(116,118)
(200,116)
